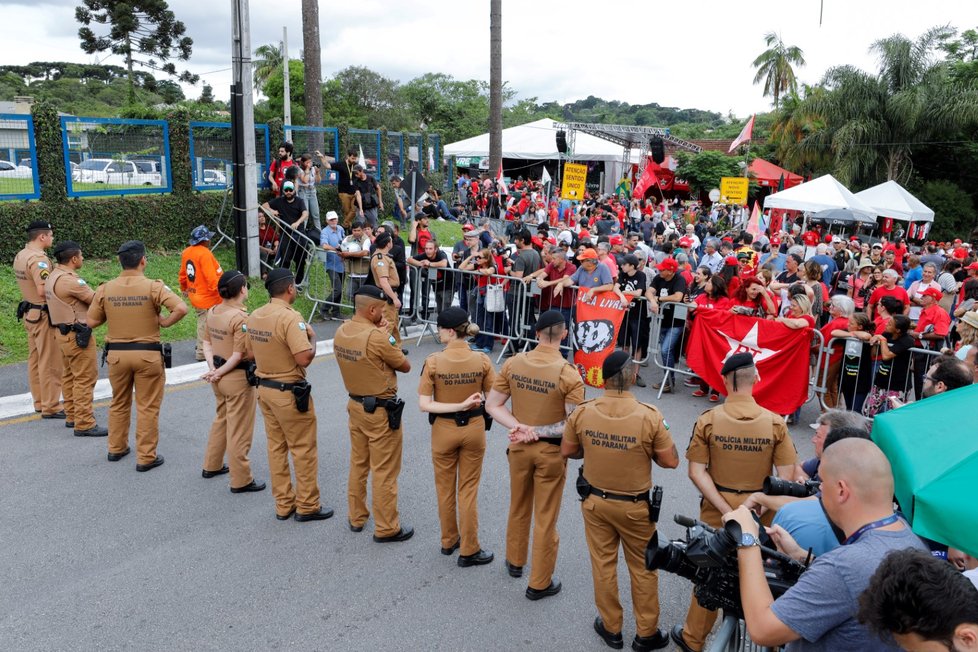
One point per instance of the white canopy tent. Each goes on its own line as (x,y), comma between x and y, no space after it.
(819,194)
(890,199)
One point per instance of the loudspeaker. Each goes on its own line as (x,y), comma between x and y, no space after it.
(562,141)
(657,150)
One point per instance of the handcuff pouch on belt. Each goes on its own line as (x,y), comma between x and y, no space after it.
(394,407)
(652,499)
(25,307)
(301,391)
(83,334)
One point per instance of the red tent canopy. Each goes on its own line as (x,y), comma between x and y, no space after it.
(768,174)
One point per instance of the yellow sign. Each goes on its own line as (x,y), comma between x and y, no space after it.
(575,180)
(733,190)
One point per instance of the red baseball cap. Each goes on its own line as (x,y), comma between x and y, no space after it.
(730,260)
(666,264)
(972,266)
(616,240)
(467,227)
(685,242)
(936,294)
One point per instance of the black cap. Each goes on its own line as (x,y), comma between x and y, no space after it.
(37,225)
(227,277)
(277,275)
(548,319)
(132,247)
(614,363)
(737,361)
(452,318)
(66,245)
(373,292)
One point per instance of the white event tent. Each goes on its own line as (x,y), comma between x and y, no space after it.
(819,194)
(890,199)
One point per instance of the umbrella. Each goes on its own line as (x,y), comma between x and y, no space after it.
(843,216)
(935,465)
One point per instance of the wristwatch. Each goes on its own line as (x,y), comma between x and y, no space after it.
(748,540)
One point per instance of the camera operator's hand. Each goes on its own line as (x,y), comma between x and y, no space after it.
(745,518)
(755,503)
(786,543)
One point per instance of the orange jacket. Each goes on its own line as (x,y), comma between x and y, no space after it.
(199,274)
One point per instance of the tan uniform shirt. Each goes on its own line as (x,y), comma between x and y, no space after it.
(226,331)
(68,296)
(739,442)
(618,436)
(367,357)
(131,304)
(458,372)
(540,382)
(277,332)
(31,269)
(382,266)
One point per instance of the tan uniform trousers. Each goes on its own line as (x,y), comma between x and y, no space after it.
(699,621)
(376,449)
(348,205)
(233,427)
(393,324)
(289,431)
(536,484)
(201,331)
(78,380)
(832,384)
(144,372)
(43,365)
(608,523)
(456,454)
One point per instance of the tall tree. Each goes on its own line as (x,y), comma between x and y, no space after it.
(267,60)
(495,85)
(312,58)
(137,27)
(774,67)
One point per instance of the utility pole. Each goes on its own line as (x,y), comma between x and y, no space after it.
(285,76)
(244,163)
(495,86)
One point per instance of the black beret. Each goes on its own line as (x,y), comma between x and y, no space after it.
(66,245)
(614,363)
(37,225)
(132,247)
(548,319)
(737,361)
(278,274)
(371,291)
(452,318)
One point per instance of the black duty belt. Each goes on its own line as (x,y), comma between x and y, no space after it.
(728,490)
(64,329)
(628,498)
(555,441)
(381,402)
(220,362)
(274,384)
(470,414)
(134,346)
(35,306)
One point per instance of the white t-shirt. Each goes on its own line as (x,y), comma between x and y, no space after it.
(973,576)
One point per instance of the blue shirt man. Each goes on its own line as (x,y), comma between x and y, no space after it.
(330,239)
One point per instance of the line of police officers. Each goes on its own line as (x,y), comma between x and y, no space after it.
(547,420)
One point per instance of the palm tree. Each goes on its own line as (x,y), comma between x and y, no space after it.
(312,60)
(774,67)
(495,85)
(267,60)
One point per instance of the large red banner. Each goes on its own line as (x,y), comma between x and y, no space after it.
(780,355)
(596,327)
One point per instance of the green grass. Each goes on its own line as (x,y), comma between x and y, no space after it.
(163,265)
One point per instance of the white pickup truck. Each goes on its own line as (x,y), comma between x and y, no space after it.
(121,173)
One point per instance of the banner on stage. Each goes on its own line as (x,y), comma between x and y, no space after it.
(733,190)
(575,181)
(595,333)
(780,355)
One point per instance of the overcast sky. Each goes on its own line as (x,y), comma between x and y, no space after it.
(688,54)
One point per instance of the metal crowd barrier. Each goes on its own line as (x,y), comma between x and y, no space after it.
(733,637)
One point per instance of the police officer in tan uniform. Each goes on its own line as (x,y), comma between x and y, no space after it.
(368,357)
(733,449)
(619,438)
(451,390)
(228,354)
(31,269)
(132,304)
(385,277)
(68,298)
(284,345)
(545,389)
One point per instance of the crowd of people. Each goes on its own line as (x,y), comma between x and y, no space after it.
(881,323)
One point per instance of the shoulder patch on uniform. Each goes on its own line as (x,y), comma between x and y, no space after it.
(167,288)
(302,325)
(81,281)
(390,338)
(42,265)
(244,328)
(380,263)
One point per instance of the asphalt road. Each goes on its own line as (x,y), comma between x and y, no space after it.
(98,556)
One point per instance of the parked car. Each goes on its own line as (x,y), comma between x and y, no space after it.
(123,173)
(214,178)
(10,171)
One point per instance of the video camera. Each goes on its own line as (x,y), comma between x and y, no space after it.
(775,486)
(707,557)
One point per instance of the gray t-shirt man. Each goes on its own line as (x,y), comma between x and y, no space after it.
(527,261)
(822,606)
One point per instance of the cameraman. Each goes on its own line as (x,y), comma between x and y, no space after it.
(820,609)
(619,438)
(733,448)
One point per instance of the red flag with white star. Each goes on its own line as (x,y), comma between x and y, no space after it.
(780,355)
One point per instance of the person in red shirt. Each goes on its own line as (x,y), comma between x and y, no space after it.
(899,250)
(753,299)
(888,289)
(277,170)
(932,315)
(810,238)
